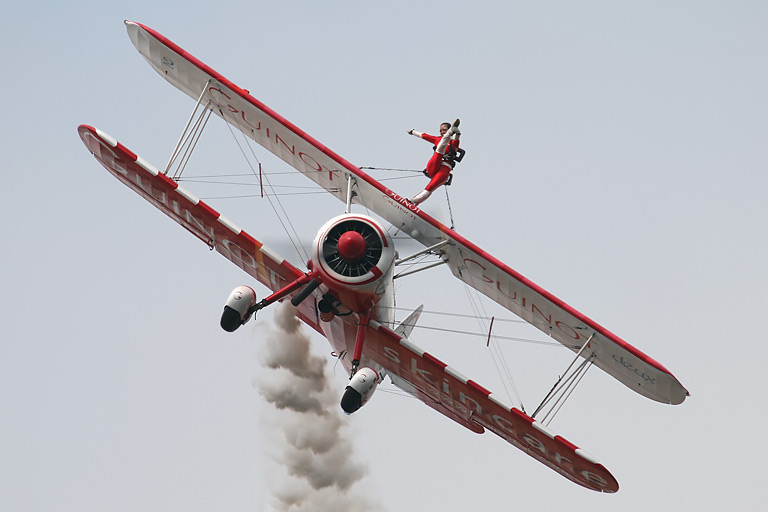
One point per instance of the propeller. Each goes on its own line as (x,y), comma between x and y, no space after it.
(352,248)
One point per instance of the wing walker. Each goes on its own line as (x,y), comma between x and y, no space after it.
(346,293)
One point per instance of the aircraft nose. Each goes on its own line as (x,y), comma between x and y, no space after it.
(352,246)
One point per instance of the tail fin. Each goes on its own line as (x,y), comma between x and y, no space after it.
(407,325)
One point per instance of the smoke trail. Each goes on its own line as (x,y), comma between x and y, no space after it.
(317,469)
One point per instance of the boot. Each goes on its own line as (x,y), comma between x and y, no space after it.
(421,197)
(454,129)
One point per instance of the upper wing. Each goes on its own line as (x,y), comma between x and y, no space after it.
(466,402)
(266,127)
(554,317)
(468,262)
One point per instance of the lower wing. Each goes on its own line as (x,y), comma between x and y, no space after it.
(419,373)
(471,405)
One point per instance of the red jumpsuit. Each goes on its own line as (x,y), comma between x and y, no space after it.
(438,168)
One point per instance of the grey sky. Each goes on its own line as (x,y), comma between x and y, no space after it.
(615,156)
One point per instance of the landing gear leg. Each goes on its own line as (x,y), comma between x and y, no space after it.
(359,339)
(305,279)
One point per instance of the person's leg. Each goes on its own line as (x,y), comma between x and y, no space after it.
(438,179)
(434,165)
(421,197)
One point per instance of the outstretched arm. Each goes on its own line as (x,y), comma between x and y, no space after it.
(430,138)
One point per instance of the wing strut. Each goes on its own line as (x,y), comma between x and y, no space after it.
(304,279)
(350,194)
(438,245)
(427,267)
(564,389)
(359,340)
(428,250)
(189,137)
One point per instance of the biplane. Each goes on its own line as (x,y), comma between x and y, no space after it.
(346,293)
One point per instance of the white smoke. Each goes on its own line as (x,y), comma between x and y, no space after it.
(317,469)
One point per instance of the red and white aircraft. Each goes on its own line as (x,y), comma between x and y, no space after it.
(347,292)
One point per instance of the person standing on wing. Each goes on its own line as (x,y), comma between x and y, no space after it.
(443,160)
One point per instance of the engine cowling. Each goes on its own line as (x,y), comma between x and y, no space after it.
(354,256)
(236,309)
(360,389)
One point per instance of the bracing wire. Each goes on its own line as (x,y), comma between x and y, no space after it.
(219,182)
(485,335)
(273,173)
(269,184)
(292,237)
(482,333)
(461,315)
(497,355)
(391,169)
(274,194)
(479,314)
(397,392)
(295,240)
(450,210)
(238,175)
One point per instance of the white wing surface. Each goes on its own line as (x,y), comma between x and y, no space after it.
(468,262)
